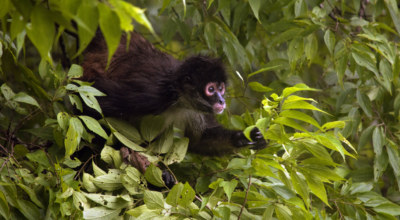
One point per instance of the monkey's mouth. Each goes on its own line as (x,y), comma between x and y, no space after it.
(219,108)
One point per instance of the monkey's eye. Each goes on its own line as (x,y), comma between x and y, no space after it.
(221,88)
(210,89)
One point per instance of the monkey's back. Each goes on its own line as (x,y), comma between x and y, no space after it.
(138,80)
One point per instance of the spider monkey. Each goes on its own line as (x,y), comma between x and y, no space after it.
(142,80)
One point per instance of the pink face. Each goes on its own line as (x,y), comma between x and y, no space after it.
(215,92)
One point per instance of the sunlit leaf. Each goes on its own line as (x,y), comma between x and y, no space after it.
(109,25)
(100,213)
(299,87)
(300,116)
(153,199)
(153,175)
(41,27)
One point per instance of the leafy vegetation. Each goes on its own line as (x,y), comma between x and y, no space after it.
(320,79)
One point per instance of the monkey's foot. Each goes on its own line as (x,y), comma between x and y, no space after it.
(141,163)
(135,159)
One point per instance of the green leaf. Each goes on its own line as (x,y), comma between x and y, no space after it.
(378,140)
(100,213)
(87,19)
(142,212)
(300,185)
(28,209)
(300,8)
(330,40)
(153,200)
(364,103)
(5,7)
(295,52)
(299,87)
(300,105)
(110,27)
(209,34)
(318,151)
(151,127)
(133,181)
(7,92)
(17,28)
(331,142)
(394,13)
(178,152)
(387,75)
(388,208)
(174,195)
(110,201)
(32,195)
(76,101)
(91,101)
(4,208)
(237,163)
(75,71)
(97,171)
(137,14)
(324,173)
(394,159)
(187,196)
(238,122)
(73,136)
(290,122)
(267,67)
(299,116)
(229,187)
(41,31)
(25,98)
(111,156)
(94,126)
(360,188)
(128,142)
(87,183)
(365,136)
(311,48)
(317,187)
(255,7)
(283,212)
(153,175)
(365,60)
(333,124)
(39,156)
(164,143)
(125,128)
(258,87)
(89,90)
(110,181)
(262,167)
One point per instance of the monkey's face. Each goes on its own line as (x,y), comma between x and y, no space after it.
(214,93)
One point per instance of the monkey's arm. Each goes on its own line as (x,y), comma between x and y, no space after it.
(218,141)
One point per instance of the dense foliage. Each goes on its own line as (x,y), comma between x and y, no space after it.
(320,79)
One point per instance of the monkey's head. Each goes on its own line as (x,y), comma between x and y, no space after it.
(203,81)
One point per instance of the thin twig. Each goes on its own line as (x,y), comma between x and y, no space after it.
(245,198)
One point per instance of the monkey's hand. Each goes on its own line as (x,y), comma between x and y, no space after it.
(257,139)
